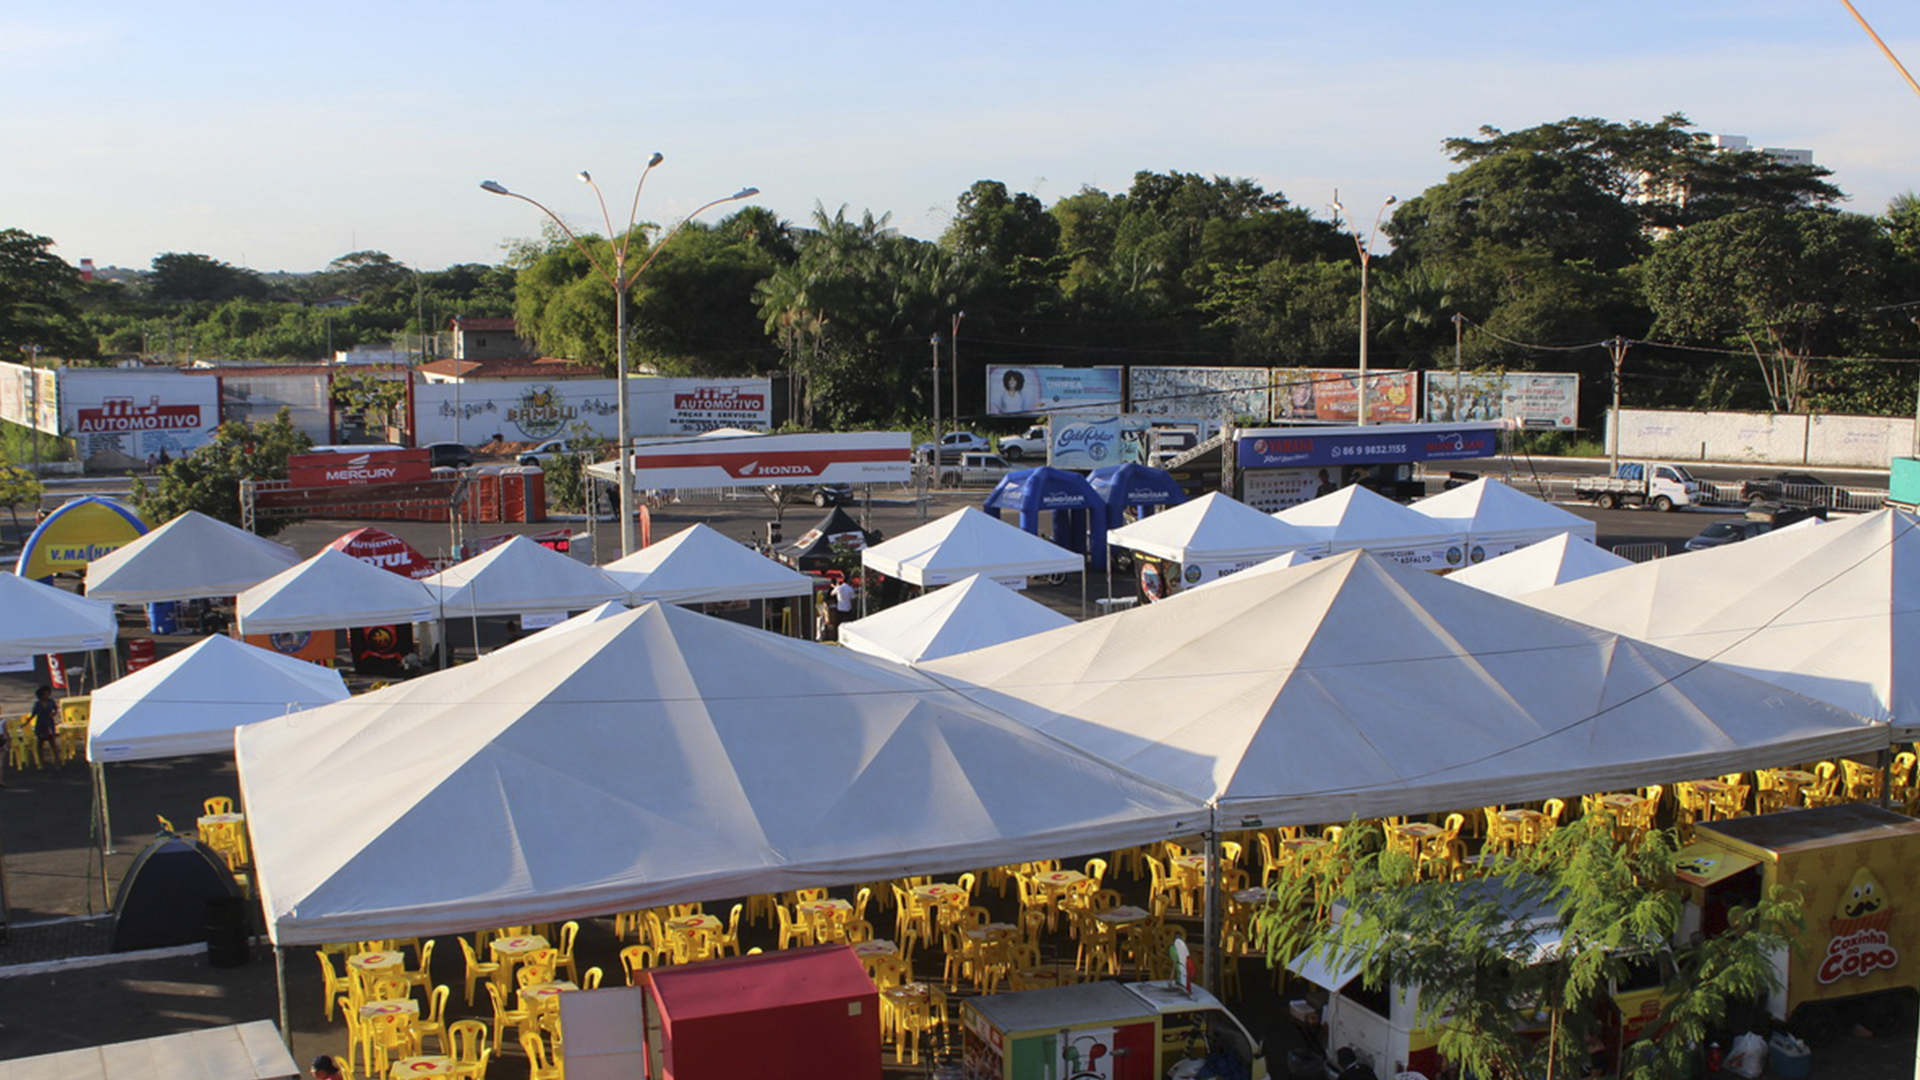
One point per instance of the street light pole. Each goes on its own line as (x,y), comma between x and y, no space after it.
(622,282)
(1366,257)
(953,356)
(934,342)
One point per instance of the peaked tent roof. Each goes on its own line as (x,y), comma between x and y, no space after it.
(698,783)
(1286,561)
(522,576)
(1214,527)
(190,702)
(699,565)
(1540,565)
(968,542)
(37,618)
(1351,686)
(333,590)
(971,614)
(584,619)
(1134,485)
(190,557)
(816,544)
(1830,612)
(1488,511)
(1356,518)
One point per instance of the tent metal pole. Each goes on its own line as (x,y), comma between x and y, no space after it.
(1210,930)
(280,984)
(106,817)
(1083,594)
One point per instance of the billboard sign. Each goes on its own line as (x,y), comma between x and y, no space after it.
(537,410)
(856,457)
(135,413)
(1531,399)
(683,406)
(76,533)
(28,397)
(1199,391)
(1094,442)
(1332,395)
(347,469)
(1014,390)
(1293,448)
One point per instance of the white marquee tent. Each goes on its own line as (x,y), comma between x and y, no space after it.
(36,618)
(521,577)
(1216,533)
(584,619)
(700,565)
(190,702)
(190,557)
(657,756)
(333,590)
(968,542)
(1271,566)
(1357,519)
(1353,687)
(1497,519)
(1539,565)
(970,614)
(1831,612)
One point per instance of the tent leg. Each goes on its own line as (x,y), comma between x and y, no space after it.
(1083,594)
(280,984)
(106,817)
(1210,930)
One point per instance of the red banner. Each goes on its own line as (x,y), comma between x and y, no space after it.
(386,551)
(354,469)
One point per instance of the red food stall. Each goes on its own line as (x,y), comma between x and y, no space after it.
(800,1014)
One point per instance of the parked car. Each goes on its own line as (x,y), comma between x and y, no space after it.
(550,449)
(1033,444)
(1789,489)
(952,445)
(1728,532)
(825,495)
(449,455)
(974,467)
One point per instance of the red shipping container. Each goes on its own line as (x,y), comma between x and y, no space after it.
(803,1014)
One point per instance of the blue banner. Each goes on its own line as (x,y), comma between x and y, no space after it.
(1305,447)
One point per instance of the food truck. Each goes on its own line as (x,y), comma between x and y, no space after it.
(1106,1031)
(1854,865)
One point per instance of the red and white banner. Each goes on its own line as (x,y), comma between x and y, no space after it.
(386,551)
(344,469)
(858,457)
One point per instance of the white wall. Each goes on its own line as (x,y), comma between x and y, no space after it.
(1764,438)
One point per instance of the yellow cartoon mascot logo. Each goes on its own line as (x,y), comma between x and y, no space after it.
(1860,944)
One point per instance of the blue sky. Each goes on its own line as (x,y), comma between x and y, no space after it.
(281,137)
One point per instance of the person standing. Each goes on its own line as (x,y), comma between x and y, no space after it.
(843,594)
(46,723)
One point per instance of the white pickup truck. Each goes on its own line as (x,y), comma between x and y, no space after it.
(1033,444)
(974,467)
(1657,484)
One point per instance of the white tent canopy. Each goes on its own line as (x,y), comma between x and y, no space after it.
(1271,566)
(1357,519)
(657,756)
(970,614)
(250,1051)
(584,619)
(36,618)
(700,565)
(190,702)
(1497,519)
(1832,612)
(522,577)
(1353,687)
(1540,565)
(334,590)
(1216,531)
(968,542)
(190,557)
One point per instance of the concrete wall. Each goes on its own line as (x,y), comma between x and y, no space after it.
(1764,438)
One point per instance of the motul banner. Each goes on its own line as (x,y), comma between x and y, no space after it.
(351,469)
(858,457)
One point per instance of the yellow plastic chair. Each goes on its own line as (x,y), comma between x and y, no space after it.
(434,1022)
(569,932)
(728,940)
(635,959)
(469,1046)
(503,1016)
(477,969)
(590,979)
(337,985)
(219,804)
(422,976)
(1862,781)
(540,1066)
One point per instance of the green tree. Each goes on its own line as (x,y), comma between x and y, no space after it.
(208,479)
(375,396)
(186,278)
(992,224)
(1783,286)
(1473,948)
(39,295)
(18,488)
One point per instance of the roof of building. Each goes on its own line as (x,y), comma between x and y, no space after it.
(548,367)
(468,323)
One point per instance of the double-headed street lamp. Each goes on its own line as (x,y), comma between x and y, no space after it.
(621,280)
(1360,241)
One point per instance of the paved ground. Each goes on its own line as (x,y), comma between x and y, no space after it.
(58,992)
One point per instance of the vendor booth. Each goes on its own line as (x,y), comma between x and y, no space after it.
(968,542)
(1079,513)
(1204,540)
(807,1014)
(190,702)
(1356,519)
(191,557)
(1497,519)
(1541,565)
(700,566)
(823,546)
(1134,487)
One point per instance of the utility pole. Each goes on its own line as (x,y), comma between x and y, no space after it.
(1458,322)
(1617,348)
(934,341)
(953,357)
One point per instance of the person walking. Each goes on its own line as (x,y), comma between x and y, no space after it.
(46,723)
